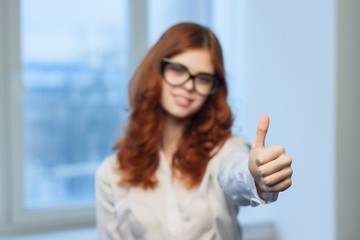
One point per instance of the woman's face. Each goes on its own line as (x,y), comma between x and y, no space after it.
(184,101)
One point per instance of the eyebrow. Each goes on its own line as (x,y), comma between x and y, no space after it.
(187,69)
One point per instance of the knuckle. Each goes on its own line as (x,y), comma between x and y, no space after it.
(261,171)
(285,184)
(280,148)
(259,160)
(267,181)
(289,182)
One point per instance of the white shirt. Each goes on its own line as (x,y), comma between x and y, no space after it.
(171,212)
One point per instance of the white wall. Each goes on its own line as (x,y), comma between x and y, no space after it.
(291,62)
(348,120)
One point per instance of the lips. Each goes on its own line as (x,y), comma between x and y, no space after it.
(182,101)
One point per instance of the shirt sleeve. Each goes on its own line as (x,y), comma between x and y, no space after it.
(235,178)
(105,207)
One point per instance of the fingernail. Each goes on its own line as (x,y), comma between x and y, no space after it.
(258,171)
(264,186)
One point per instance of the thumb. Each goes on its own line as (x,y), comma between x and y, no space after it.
(262,129)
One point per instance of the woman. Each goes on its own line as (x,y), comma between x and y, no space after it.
(179,173)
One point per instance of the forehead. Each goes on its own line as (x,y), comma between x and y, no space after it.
(196,60)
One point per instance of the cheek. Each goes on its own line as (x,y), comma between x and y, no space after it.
(200,102)
(165,99)
(165,91)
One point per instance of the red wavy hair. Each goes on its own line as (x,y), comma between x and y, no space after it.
(138,150)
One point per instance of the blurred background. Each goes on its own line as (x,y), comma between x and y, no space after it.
(64,71)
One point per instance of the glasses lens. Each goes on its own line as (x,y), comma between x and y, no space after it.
(176,75)
(205,84)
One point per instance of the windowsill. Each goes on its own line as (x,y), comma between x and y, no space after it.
(88,233)
(264,231)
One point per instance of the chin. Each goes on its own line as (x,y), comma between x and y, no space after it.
(180,114)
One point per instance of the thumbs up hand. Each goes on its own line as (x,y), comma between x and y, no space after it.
(270,167)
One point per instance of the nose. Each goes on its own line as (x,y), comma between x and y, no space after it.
(189,84)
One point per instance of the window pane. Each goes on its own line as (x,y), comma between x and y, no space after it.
(163,13)
(75,75)
(227,19)
(228,22)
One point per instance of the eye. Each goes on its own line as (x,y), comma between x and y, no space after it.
(176,69)
(205,79)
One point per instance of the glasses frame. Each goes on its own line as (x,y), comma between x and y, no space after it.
(166,61)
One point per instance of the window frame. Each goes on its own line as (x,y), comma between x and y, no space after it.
(20,216)
(3,111)
(13,214)
(14,217)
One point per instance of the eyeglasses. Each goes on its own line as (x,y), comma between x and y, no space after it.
(177,74)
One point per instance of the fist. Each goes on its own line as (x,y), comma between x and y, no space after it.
(270,167)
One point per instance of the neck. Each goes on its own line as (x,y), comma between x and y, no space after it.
(173,129)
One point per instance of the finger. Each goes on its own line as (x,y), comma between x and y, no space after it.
(269,154)
(262,129)
(262,186)
(277,177)
(282,186)
(283,161)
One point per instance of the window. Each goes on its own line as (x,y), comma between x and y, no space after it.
(64,69)
(74,72)
(64,91)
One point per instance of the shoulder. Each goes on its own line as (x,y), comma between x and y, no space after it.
(107,190)
(108,169)
(234,147)
(236,143)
